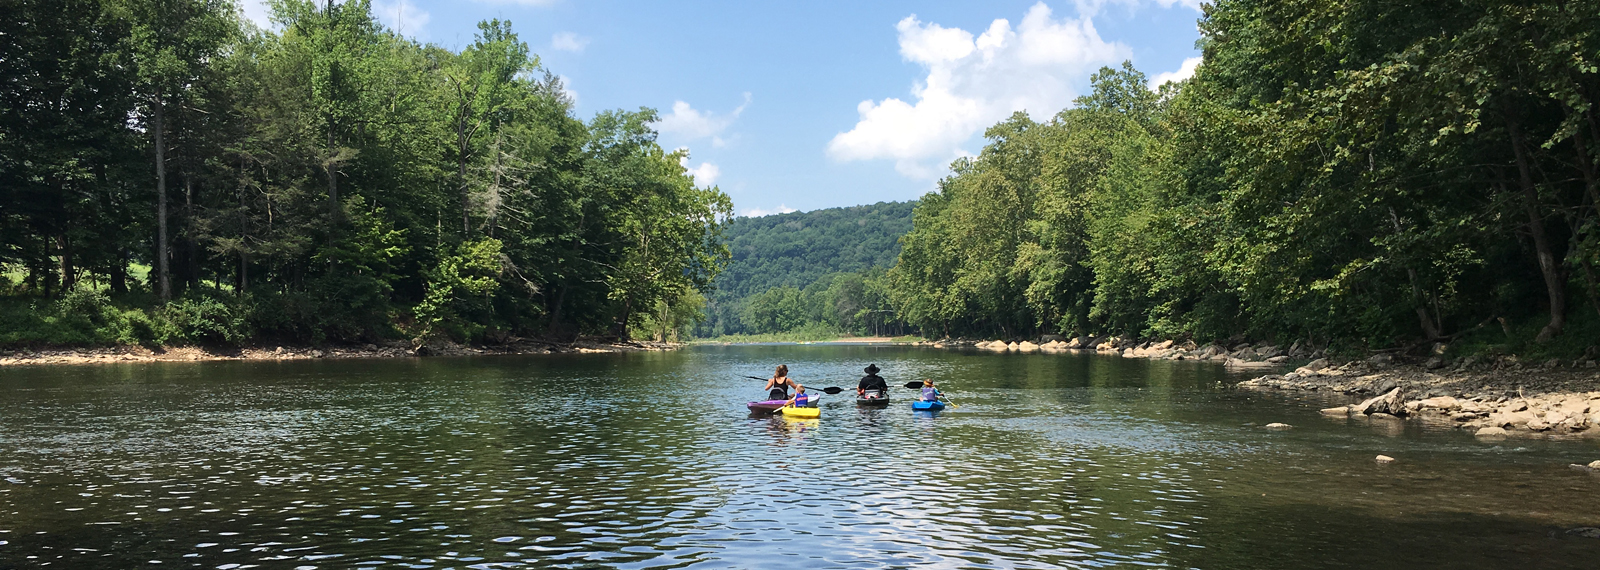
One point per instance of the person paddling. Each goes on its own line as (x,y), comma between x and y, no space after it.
(778,386)
(801,399)
(929,393)
(872,383)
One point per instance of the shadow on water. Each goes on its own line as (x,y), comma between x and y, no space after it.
(653,461)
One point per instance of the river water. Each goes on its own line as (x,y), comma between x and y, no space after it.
(651,460)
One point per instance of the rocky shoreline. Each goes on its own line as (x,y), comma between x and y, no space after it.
(395,349)
(1492,397)
(1499,398)
(1240,355)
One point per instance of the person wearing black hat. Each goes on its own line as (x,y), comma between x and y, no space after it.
(872,384)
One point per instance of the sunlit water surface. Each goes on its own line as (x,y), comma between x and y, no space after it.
(652,461)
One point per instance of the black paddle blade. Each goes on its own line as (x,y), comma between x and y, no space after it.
(832,390)
(756,378)
(914,385)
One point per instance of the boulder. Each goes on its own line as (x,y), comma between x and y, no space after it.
(1339,411)
(1026,346)
(1585,532)
(1277,359)
(1434,363)
(1384,459)
(1440,403)
(1163,345)
(1491,432)
(1392,402)
(1317,364)
(1278,426)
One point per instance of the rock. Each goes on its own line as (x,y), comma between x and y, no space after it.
(1049,338)
(1278,359)
(1585,532)
(1440,403)
(1380,360)
(1539,425)
(1012,346)
(1434,363)
(1384,459)
(278,350)
(1552,363)
(1278,426)
(1339,411)
(1491,432)
(1026,346)
(1317,364)
(318,354)
(1384,385)
(1392,402)
(1595,464)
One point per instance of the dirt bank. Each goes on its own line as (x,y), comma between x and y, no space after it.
(21,357)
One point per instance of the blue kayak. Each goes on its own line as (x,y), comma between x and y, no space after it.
(926,406)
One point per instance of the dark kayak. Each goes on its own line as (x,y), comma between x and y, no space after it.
(926,406)
(873,399)
(767,406)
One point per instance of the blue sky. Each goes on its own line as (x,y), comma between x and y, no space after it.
(800,105)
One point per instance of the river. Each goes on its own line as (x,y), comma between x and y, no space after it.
(651,460)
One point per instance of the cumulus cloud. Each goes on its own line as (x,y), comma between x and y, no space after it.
(689,124)
(568,41)
(402,16)
(973,82)
(706,174)
(566,88)
(1184,71)
(759,212)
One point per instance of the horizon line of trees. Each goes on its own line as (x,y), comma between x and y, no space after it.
(330,180)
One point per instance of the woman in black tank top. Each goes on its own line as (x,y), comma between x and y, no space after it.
(778,387)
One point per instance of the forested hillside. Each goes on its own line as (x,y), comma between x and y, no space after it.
(1368,174)
(171,174)
(779,258)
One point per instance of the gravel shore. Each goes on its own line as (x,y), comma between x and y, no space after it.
(398,349)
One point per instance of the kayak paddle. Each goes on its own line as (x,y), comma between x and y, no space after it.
(829,390)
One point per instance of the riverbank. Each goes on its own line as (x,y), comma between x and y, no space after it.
(1239,355)
(397,349)
(1497,398)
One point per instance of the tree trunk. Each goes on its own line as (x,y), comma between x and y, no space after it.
(69,275)
(461,174)
(119,272)
(333,175)
(162,270)
(1555,286)
(1428,326)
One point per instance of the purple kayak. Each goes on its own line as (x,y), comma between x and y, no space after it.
(767,406)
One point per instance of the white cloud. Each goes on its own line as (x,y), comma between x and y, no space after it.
(257,12)
(568,41)
(973,83)
(566,88)
(704,175)
(759,212)
(689,124)
(402,16)
(1184,71)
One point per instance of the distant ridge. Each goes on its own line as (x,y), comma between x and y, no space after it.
(798,248)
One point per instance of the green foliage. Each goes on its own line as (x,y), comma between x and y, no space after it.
(807,250)
(1358,175)
(325,181)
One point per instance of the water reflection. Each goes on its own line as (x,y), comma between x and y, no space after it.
(652,461)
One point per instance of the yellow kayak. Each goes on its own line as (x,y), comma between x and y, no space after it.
(793,412)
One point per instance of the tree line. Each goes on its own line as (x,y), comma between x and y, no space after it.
(171,173)
(1368,172)
(822,271)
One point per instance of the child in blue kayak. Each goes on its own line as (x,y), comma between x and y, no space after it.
(929,393)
